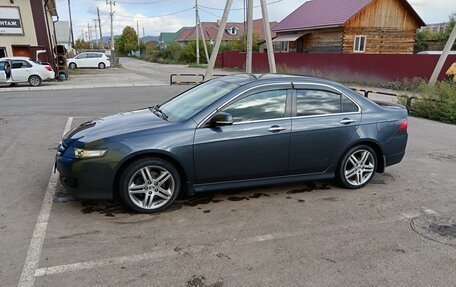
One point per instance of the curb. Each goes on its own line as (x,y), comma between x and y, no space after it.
(71,87)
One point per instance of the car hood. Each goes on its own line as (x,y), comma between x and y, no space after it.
(122,123)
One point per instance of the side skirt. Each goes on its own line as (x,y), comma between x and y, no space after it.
(261,181)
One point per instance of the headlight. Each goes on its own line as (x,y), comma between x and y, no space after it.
(85,153)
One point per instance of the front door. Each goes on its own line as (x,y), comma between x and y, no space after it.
(255,146)
(324,121)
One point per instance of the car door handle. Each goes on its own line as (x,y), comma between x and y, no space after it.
(276,129)
(347,121)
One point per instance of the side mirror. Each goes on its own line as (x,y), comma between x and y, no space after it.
(221,119)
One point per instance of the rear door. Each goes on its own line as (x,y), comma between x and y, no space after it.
(21,70)
(324,120)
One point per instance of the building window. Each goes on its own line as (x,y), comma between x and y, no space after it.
(233,30)
(2,52)
(360,44)
(284,45)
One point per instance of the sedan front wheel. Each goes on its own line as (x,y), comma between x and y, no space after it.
(357,167)
(149,185)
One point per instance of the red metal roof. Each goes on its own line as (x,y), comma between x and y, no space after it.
(320,13)
(210,30)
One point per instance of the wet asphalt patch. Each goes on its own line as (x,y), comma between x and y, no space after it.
(441,229)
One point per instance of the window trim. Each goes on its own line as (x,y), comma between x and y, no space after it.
(354,43)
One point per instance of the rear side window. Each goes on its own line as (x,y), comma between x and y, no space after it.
(2,66)
(260,106)
(18,64)
(318,102)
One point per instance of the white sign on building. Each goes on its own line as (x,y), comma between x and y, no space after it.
(10,21)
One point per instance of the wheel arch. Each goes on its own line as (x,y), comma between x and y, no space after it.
(381,161)
(147,154)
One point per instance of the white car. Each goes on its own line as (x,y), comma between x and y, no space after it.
(24,70)
(89,60)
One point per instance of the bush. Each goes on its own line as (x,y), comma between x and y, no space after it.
(436,102)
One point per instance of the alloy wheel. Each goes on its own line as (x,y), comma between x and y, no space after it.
(359,167)
(151,187)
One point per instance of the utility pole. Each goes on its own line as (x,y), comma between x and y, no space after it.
(71,40)
(267,35)
(89,31)
(144,33)
(196,31)
(99,26)
(204,40)
(111,14)
(96,33)
(443,57)
(137,30)
(248,58)
(218,40)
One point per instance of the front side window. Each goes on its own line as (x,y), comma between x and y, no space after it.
(360,44)
(318,102)
(260,106)
(81,56)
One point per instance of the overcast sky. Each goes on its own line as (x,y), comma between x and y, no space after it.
(154,15)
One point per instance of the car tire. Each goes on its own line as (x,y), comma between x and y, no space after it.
(357,167)
(101,66)
(149,185)
(72,65)
(34,80)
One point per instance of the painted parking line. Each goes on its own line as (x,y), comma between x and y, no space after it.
(168,253)
(39,233)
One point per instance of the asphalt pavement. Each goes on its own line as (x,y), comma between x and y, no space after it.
(395,232)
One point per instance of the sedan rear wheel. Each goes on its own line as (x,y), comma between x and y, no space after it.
(357,167)
(101,66)
(149,185)
(34,81)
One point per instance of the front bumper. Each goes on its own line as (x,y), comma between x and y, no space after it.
(86,179)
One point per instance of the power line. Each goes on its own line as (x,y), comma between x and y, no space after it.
(221,9)
(157,16)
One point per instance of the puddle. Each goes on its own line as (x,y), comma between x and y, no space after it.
(200,281)
(440,229)
(309,187)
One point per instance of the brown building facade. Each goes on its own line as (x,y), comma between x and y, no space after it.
(27,26)
(350,26)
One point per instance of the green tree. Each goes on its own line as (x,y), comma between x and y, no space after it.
(127,42)
(81,44)
(449,28)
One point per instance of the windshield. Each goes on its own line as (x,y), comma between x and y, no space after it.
(191,102)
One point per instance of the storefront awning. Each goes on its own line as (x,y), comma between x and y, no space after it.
(288,37)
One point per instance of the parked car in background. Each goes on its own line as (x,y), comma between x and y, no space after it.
(24,70)
(89,60)
(230,132)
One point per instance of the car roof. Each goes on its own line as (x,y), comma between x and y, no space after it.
(15,58)
(243,79)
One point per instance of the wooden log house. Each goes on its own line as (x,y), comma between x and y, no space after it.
(350,26)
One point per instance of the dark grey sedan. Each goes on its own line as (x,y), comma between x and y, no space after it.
(234,131)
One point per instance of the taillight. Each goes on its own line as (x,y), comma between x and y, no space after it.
(404,125)
(48,68)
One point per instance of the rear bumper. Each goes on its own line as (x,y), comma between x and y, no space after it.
(394,149)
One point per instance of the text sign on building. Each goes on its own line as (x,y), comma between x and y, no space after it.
(10,21)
